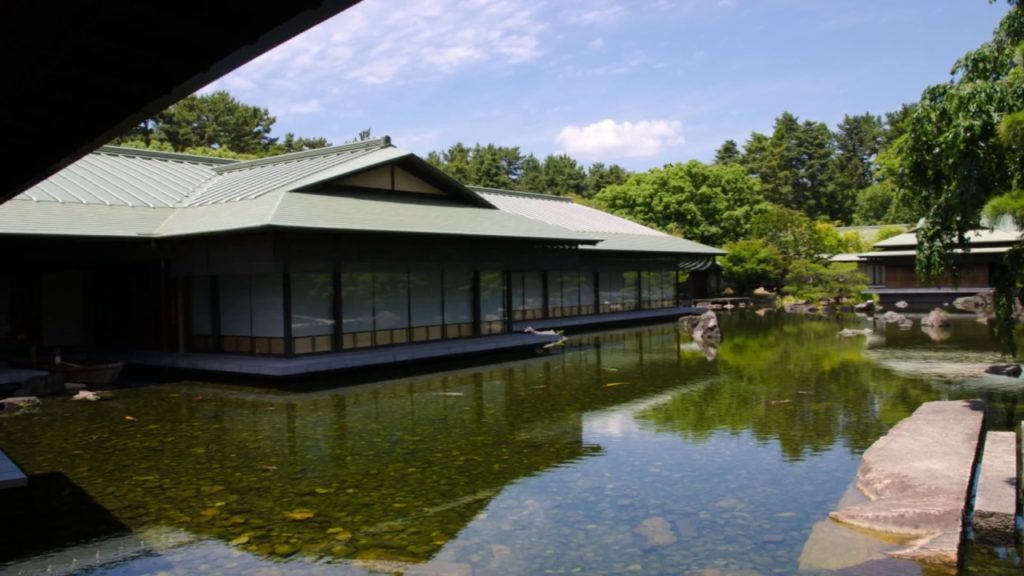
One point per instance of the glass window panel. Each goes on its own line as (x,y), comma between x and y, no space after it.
(267,305)
(629,289)
(199,299)
(586,288)
(533,290)
(357,300)
(516,287)
(391,297)
(554,290)
(492,296)
(426,294)
(235,306)
(458,295)
(312,304)
(570,288)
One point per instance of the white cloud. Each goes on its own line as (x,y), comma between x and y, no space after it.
(610,139)
(397,42)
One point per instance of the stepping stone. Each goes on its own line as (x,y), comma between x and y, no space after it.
(995,503)
(916,479)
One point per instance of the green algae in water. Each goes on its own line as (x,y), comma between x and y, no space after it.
(625,452)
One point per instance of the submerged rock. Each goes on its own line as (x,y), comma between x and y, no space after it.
(1011,370)
(935,333)
(657,531)
(851,333)
(936,318)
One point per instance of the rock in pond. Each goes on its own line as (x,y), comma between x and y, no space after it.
(851,333)
(1011,370)
(866,307)
(937,318)
(891,317)
(707,328)
(16,404)
(981,302)
(901,304)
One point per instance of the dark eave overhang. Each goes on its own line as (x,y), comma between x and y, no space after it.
(82,73)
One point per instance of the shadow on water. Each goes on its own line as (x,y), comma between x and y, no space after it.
(52,512)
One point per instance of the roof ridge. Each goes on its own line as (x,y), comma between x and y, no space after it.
(161,155)
(521,193)
(382,142)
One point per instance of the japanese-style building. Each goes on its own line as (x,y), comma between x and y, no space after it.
(891,274)
(319,260)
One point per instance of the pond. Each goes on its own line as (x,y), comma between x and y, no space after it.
(625,452)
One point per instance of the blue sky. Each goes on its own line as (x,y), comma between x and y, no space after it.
(639,83)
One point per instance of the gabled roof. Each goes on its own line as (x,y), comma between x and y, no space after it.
(975,238)
(361,187)
(123,192)
(615,233)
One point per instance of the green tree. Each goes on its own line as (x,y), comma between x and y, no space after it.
(858,141)
(215,120)
(531,175)
(795,235)
(600,177)
(959,151)
(751,263)
(818,281)
(713,204)
(728,153)
(563,176)
(889,232)
(882,203)
(794,165)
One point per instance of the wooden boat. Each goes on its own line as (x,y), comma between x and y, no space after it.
(92,373)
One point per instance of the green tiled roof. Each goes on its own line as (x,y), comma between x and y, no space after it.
(614,233)
(120,192)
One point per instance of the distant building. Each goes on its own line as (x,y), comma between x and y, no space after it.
(171,259)
(891,273)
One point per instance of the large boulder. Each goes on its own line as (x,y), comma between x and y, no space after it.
(707,328)
(937,318)
(981,302)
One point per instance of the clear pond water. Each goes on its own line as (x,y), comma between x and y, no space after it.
(626,452)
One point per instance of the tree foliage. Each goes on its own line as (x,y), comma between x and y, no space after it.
(712,204)
(218,125)
(493,166)
(818,281)
(728,153)
(749,264)
(961,149)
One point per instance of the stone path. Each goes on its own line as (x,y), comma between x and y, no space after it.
(995,503)
(916,479)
